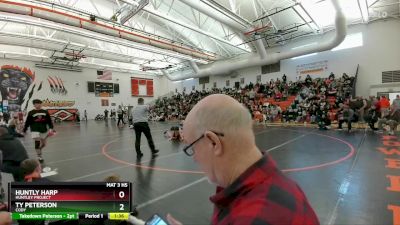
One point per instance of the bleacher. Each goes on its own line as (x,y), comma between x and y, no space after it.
(283,104)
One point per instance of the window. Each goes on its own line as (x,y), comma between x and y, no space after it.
(204,80)
(351,41)
(303,56)
(391,76)
(271,68)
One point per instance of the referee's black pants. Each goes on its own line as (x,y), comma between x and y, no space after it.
(139,128)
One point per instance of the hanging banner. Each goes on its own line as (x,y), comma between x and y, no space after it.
(57,103)
(142,87)
(315,68)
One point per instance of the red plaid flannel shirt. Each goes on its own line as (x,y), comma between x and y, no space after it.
(262,195)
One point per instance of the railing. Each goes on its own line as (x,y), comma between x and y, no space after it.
(353,92)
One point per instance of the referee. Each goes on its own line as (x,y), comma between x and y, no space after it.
(140,116)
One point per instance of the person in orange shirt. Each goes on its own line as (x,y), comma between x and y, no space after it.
(385,105)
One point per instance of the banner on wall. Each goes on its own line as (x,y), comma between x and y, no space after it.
(104,74)
(142,87)
(104,102)
(15,82)
(57,85)
(57,103)
(63,114)
(315,68)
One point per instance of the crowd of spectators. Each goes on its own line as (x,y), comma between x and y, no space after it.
(320,101)
(311,98)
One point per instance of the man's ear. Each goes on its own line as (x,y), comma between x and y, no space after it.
(215,142)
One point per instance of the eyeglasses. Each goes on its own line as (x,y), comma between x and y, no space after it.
(189,151)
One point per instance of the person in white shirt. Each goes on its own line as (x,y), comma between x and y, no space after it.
(140,115)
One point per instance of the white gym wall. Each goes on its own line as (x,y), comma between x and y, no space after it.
(76,85)
(380,52)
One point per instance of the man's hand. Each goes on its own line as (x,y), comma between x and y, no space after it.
(5,218)
(172,220)
(135,221)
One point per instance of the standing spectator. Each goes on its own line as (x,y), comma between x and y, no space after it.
(78,116)
(140,115)
(6,117)
(346,114)
(331,76)
(39,121)
(385,106)
(20,116)
(359,106)
(112,114)
(120,114)
(395,104)
(371,117)
(105,114)
(308,80)
(252,94)
(85,115)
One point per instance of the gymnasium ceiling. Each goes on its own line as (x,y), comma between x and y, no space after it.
(222,28)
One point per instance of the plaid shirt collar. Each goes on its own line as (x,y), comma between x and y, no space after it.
(254,175)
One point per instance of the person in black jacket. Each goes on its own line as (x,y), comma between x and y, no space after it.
(13,154)
(39,121)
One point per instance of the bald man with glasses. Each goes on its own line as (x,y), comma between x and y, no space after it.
(250,189)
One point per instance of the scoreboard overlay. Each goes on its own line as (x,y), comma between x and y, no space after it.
(70,200)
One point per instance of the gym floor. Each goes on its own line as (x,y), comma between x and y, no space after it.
(343,174)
